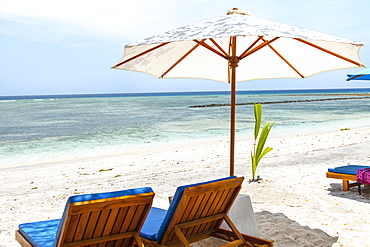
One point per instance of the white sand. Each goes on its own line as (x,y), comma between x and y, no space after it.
(295,204)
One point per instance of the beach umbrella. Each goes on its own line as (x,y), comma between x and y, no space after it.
(360,75)
(238,47)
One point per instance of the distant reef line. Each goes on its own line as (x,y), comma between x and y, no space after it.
(280,102)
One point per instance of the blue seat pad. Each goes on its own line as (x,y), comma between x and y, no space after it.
(158,219)
(152,223)
(350,169)
(47,233)
(40,234)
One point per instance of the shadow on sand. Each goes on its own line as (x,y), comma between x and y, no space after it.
(286,232)
(352,194)
(283,231)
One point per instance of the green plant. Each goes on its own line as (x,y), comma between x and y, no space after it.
(260,138)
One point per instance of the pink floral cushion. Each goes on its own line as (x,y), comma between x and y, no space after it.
(363,176)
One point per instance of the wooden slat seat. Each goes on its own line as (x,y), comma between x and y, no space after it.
(104,219)
(197,212)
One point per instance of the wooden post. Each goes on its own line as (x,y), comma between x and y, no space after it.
(233,63)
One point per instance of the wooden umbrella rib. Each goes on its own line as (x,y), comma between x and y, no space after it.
(250,47)
(229,48)
(141,54)
(265,43)
(218,46)
(285,60)
(228,67)
(182,58)
(330,52)
(210,48)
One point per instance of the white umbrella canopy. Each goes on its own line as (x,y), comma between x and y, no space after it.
(239,47)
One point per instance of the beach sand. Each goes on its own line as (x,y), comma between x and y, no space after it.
(295,204)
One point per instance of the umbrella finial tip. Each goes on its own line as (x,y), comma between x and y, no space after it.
(237,11)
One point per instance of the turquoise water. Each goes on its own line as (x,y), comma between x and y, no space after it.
(42,129)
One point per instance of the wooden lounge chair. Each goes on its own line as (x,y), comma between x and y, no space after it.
(196,213)
(346,173)
(105,219)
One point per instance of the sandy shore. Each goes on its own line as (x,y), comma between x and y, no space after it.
(295,204)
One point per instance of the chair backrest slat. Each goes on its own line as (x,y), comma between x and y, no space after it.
(80,230)
(72,223)
(120,218)
(100,224)
(136,218)
(89,231)
(204,211)
(110,222)
(197,210)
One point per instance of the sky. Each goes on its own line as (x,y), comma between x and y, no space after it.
(50,47)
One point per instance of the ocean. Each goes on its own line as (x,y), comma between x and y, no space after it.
(51,128)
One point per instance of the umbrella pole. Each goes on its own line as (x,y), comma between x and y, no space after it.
(232,122)
(233,63)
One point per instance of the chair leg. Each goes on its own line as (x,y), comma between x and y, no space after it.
(138,240)
(235,230)
(21,240)
(181,236)
(359,188)
(345,186)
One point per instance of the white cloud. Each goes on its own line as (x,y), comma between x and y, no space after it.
(112,17)
(121,18)
(50,20)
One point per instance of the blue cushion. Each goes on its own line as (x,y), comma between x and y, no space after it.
(350,169)
(152,223)
(163,226)
(47,233)
(90,197)
(40,234)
